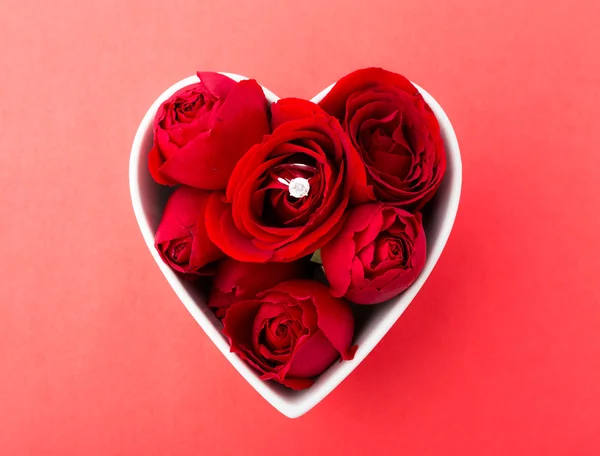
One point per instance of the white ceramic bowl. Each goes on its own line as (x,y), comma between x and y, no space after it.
(148,199)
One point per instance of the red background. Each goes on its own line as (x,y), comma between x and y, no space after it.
(498,354)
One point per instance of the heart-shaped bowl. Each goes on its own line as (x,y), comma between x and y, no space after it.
(149,198)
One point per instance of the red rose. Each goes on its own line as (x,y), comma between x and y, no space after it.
(261,219)
(291,332)
(236,280)
(378,253)
(394,130)
(181,238)
(203,129)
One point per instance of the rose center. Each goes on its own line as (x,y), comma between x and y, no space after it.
(180,253)
(281,330)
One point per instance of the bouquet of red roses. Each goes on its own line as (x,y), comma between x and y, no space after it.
(294,212)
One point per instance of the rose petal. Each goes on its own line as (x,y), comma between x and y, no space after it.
(334,316)
(297,384)
(248,279)
(216,84)
(336,257)
(202,163)
(236,325)
(223,232)
(183,217)
(155,161)
(288,109)
(266,312)
(371,231)
(313,357)
(204,251)
(334,102)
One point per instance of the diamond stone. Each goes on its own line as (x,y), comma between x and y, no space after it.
(299,187)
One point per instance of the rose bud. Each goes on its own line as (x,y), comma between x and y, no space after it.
(203,129)
(235,280)
(396,133)
(287,196)
(292,332)
(378,253)
(181,238)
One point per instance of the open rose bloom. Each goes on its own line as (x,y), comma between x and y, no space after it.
(294,223)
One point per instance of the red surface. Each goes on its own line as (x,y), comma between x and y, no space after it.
(497,355)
